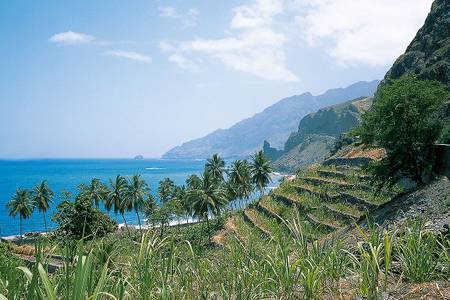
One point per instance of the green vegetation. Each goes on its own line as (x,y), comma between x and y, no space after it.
(405,120)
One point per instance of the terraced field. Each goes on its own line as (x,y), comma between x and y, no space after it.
(324,198)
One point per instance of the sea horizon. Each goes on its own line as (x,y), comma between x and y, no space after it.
(66,174)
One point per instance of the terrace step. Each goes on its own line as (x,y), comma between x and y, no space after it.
(268,210)
(285,198)
(319,181)
(350,161)
(359,202)
(312,190)
(330,225)
(250,215)
(340,174)
(342,214)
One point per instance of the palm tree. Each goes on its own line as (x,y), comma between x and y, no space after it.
(137,188)
(42,197)
(193,182)
(210,197)
(260,170)
(96,191)
(215,166)
(116,198)
(150,208)
(21,203)
(166,190)
(239,183)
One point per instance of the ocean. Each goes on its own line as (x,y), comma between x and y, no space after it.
(67,174)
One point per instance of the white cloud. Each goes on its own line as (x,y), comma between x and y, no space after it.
(130,55)
(254,44)
(71,38)
(364,31)
(183,62)
(187,18)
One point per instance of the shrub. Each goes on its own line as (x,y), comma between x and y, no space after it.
(78,219)
(406,121)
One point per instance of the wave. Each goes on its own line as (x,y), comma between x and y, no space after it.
(154,168)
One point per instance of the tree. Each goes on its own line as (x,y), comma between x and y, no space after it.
(166,190)
(116,198)
(42,197)
(80,220)
(137,188)
(239,183)
(96,191)
(405,120)
(260,169)
(193,182)
(210,197)
(215,166)
(21,204)
(150,208)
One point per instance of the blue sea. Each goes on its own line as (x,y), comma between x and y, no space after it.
(67,174)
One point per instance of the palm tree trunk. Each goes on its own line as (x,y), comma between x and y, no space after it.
(126,225)
(45,222)
(139,221)
(207,228)
(20,225)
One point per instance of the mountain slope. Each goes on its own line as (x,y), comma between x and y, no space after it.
(428,55)
(274,124)
(317,134)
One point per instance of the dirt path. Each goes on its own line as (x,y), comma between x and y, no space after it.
(229,227)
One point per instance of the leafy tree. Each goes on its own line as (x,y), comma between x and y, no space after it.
(215,166)
(239,183)
(96,191)
(116,198)
(137,189)
(42,197)
(260,169)
(78,219)
(405,120)
(21,204)
(210,197)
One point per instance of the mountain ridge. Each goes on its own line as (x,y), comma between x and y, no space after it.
(274,124)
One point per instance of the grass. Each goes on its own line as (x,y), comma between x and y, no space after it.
(347,209)
(171,268)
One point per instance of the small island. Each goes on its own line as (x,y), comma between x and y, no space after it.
(139,157)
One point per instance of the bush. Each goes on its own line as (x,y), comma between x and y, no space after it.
(405,120)
(78,219)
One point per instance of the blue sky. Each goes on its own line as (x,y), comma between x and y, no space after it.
(119,78)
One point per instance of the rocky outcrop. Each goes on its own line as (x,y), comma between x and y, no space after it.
(428,55)
(317,134)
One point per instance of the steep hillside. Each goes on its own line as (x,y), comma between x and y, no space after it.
(274,124)
(428,55)
(316,135)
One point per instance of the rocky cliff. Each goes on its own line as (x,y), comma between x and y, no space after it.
(316,135)
(428,55)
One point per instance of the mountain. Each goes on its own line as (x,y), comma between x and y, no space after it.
(317,134)
(428,55)
(274,124)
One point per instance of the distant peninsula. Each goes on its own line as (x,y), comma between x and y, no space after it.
(139,157)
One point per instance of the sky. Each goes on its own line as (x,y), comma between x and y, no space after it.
(110,78)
